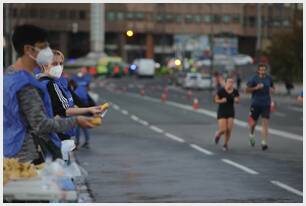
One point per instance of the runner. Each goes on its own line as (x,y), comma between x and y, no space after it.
(261,86)
(226,97)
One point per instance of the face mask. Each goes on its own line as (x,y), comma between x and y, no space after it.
(44,56)
(79,74)
(56,71)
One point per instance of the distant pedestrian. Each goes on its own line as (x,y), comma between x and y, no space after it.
(238,81)
(226,97)
(289,86)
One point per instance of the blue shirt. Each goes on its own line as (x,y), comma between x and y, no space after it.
(262,96)
(301,94)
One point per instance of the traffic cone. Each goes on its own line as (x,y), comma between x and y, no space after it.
(195,104)
(142,92)
(272,106)
(164,97)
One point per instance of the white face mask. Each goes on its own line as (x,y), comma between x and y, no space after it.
(44,56)
(56,71)
(79,74)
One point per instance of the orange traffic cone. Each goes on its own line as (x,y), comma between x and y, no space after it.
(163,97)
(195,103)
(272,106)
(142,92)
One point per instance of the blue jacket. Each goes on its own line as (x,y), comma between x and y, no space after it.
(14,124)
(82,81)
(82,93)
(63,85)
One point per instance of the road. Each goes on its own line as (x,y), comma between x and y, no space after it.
(150,151)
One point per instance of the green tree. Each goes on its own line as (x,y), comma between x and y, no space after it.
(286,52)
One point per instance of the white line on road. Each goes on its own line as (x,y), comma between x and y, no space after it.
(171,136)
(124,112)
(297,109)
(279,114)
(116,107)
(145,123)
(237,122)
(246,169)
(286,187)
(133,117)
(156,129)
(200,149)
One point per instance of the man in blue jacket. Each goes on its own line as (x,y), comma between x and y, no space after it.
(28,115)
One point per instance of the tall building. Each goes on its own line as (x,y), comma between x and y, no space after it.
(160,31)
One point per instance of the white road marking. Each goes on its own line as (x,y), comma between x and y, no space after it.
(133,117)
(286,187)
(124,112)
(200,149)
(171,136)
(239,166)
(213,114)
(156,129)
(145,123)
(279,114)
(297,109)
(116,107)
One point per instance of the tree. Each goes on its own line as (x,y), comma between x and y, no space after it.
(286,52)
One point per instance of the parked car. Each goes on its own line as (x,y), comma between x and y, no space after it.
(197,81)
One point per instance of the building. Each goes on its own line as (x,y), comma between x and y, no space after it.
(159,29)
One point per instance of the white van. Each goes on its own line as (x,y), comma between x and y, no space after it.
(145,67)
(196,81)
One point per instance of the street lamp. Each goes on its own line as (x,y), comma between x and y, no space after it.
(129,33)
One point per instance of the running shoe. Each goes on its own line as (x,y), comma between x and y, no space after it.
(85,145)
(225,148)
(264,145)
(217,138)
(252,140)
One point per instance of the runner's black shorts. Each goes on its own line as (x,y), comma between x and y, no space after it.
(223,114)
(263,111)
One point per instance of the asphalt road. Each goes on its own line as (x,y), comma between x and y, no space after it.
(150,151)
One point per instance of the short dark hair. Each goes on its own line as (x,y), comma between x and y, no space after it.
(27,34)
(262,65)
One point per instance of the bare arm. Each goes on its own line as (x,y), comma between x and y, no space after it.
(79,111)
(237,100)
(218,100)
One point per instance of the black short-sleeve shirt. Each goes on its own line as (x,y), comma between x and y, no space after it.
(227,107)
